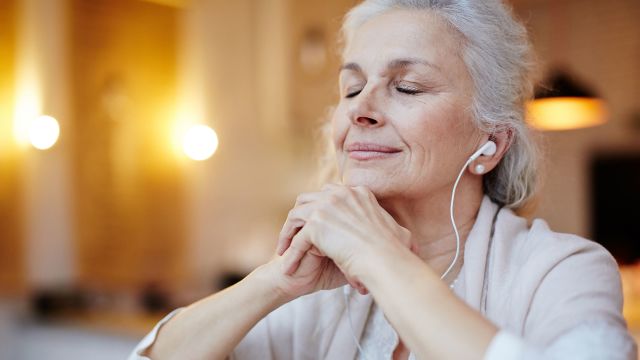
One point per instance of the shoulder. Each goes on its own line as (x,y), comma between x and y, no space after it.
(537,258)
(562,252)
(539,246)
(560,280)
(575,266)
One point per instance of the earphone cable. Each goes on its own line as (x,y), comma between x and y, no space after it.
(453,262)
(453,220)
(353,332)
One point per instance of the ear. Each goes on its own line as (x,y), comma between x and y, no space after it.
(486,163)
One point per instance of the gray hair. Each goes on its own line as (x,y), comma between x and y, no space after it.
(499,59)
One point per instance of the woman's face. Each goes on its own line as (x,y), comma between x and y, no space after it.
(403,124)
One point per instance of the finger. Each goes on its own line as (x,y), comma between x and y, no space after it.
(289,230)
(295,221)
(305,198)
(364,191)
(414,248)
(365,195)
(363,290)
(405,236)
(387,218)
(356,284)
(407,240)
(331,187)
(315,251)
(352,283)
(300,245)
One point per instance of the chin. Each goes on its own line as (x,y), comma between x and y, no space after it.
(381,185)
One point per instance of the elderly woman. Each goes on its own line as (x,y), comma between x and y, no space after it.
(433,157)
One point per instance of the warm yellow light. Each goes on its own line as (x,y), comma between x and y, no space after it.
(43,132)
(172,3)
(565,113)
(200,142)
(28,104)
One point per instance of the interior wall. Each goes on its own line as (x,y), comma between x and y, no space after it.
(233,78)
(41,88)
(141,211)
(12,272)
(598,41)
(241,65)
(314,88)
(128,181)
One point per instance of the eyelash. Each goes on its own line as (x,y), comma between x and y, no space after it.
(408,91)
(352,94)
(403,90)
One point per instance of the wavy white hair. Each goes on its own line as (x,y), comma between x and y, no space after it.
(499,58)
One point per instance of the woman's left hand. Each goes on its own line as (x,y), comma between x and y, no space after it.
(343,223)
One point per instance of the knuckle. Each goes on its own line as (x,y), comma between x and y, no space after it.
(302,198)
(314,218)
(297,246)
(350,192)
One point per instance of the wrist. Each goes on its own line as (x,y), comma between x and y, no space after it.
(375,264)
(266,278)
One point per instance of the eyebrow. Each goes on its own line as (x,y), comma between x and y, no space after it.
(393,64)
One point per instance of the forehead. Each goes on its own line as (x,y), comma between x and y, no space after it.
(405,34)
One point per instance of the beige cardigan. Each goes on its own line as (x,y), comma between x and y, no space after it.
(534,284)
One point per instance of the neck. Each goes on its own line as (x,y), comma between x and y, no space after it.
(428,219)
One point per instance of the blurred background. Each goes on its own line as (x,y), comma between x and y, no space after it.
(150,151)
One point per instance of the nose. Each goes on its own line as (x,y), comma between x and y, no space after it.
(364,110)
(366,121)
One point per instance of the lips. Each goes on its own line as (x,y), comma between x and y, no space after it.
(370,151)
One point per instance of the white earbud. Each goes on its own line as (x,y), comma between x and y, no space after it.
(488,149)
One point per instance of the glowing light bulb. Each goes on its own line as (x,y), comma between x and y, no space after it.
(200,142)
(43,132)
(566,113)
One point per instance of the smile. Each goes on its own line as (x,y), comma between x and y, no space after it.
(370,151)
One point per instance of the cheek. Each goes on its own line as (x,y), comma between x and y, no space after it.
(339,127)
(424,128)
(433,134)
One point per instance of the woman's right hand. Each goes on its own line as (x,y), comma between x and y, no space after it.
(316,272)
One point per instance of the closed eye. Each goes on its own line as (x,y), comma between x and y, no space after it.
(353,94)
(408,90)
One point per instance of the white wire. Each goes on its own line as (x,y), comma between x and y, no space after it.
(453,220)
(353,332)
(453,262)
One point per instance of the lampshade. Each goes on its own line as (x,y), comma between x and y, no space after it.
(565,104)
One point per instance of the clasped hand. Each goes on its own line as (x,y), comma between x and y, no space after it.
(330,237)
